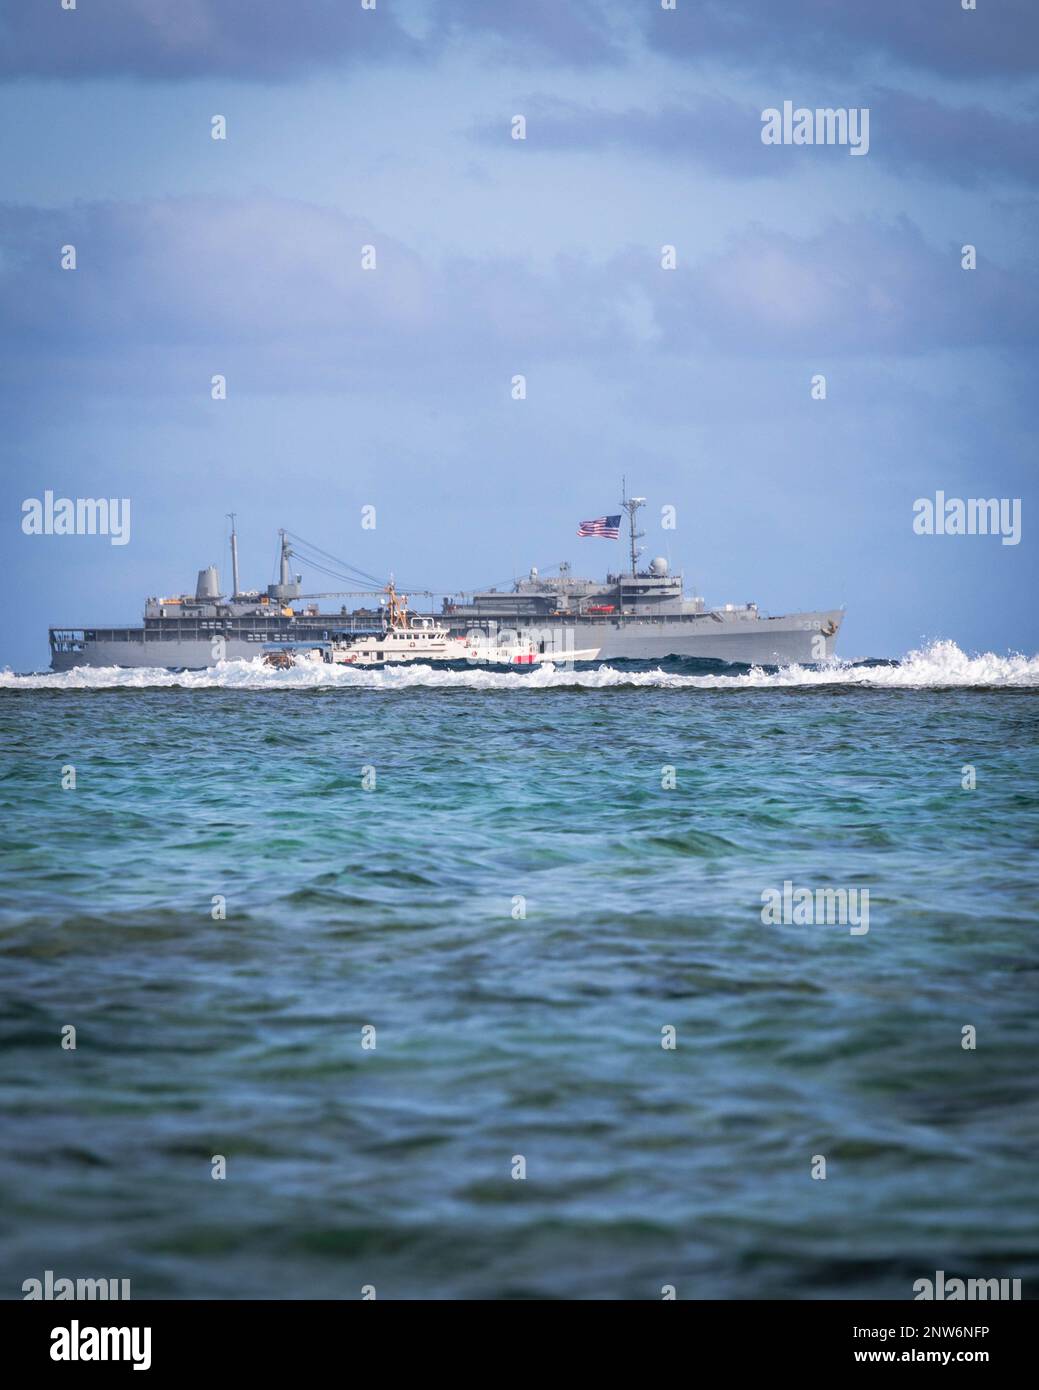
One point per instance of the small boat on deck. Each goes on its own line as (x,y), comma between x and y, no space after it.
(407,636)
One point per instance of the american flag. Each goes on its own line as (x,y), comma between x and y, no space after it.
(609,527)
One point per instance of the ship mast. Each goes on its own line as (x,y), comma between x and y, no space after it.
(631,505)
(234,556)
(286,551)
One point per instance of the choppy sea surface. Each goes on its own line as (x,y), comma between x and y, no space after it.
(376,839)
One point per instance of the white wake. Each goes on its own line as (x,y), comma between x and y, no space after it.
(939,665)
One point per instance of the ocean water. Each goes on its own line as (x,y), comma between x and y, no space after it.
(520,906)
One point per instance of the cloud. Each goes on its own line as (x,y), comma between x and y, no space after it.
(966,145)
(275,39)
(174,39)
(269,40)
(581,33)
(719,134)
(271,292)
(856,288)
(938,36)
(169,286)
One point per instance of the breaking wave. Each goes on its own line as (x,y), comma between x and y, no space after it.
(939,665)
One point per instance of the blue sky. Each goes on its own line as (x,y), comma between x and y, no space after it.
(541,257)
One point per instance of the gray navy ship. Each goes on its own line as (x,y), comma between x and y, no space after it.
(643,614)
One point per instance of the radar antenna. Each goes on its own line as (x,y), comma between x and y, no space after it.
(631,505)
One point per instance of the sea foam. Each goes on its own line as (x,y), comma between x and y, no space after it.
(939,665)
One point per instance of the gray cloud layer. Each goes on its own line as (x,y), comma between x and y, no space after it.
(854,288)
(838,36)
(276,39)
(173,39)
(176,39)
(274,288)
(277,287)
(966,145)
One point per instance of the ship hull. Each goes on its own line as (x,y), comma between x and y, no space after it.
(796,639)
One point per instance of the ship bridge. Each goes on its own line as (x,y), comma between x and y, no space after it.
(651,592)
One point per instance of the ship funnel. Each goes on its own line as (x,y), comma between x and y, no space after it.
(208,586)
